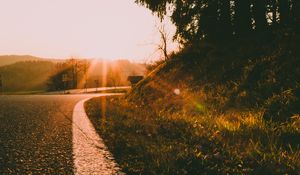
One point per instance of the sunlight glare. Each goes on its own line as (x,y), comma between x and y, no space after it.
(177,91)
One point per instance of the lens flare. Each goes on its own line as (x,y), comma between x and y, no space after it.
(177,91)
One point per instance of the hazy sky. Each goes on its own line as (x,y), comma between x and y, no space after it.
(110,29)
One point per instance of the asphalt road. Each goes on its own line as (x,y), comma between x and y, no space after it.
(88,90)
(36,134)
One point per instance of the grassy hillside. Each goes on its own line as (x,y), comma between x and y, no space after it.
(146,142)
(209,110)
(11,59)
(26,76)
(224,79)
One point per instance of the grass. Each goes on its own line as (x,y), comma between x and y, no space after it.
(147,141)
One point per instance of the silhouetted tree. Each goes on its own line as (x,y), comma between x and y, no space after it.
(259,13)
(163,45)
(209,19)
(273,8)
(284,10)
(73,69)
(225,20)
(243,24)
(295,11)
(218,20)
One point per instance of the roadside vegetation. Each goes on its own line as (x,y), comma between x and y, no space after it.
(145,141)
(227,103)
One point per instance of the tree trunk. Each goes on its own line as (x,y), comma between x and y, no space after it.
(296,16)
(284,11)
(259,13)
(243,23)
(209,20)
(274,12)
(225,23)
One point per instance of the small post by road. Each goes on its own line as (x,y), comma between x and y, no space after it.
(97,84)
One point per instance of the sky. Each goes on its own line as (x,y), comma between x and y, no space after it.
(110,29)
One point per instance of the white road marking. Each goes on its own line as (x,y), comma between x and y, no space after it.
(91,156)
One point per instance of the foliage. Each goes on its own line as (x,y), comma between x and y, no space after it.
(223,20)
(150,141)
(231,77)
(67,74)
(26,76)
(283,106)
(240,53)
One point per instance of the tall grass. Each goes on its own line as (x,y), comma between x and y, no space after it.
(145,141)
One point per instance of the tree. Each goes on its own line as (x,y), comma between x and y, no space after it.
(220,21)
(75,70)
(284,11)
(225,20)
(295,11)
(259,13)
(243,24)
(209,20)
(164,40)
(273,9)
(55,81)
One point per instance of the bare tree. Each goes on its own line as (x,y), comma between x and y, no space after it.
(164,40)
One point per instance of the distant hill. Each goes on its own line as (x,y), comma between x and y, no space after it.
(26,75)
(30,73)
(11,59)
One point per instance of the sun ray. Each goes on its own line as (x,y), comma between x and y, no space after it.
(88,66)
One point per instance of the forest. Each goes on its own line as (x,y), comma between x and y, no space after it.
(222,21)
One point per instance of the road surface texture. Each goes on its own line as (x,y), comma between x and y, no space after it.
(38,135)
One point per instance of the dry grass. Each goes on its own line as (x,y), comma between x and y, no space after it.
(191,141)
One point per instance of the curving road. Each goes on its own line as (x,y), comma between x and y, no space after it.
(36,134)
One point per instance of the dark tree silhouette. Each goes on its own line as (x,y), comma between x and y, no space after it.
(284,10)
(243,25)
(219,20)
(273,10)
(225,20)
(73,70)
(295,11)
(259,13)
